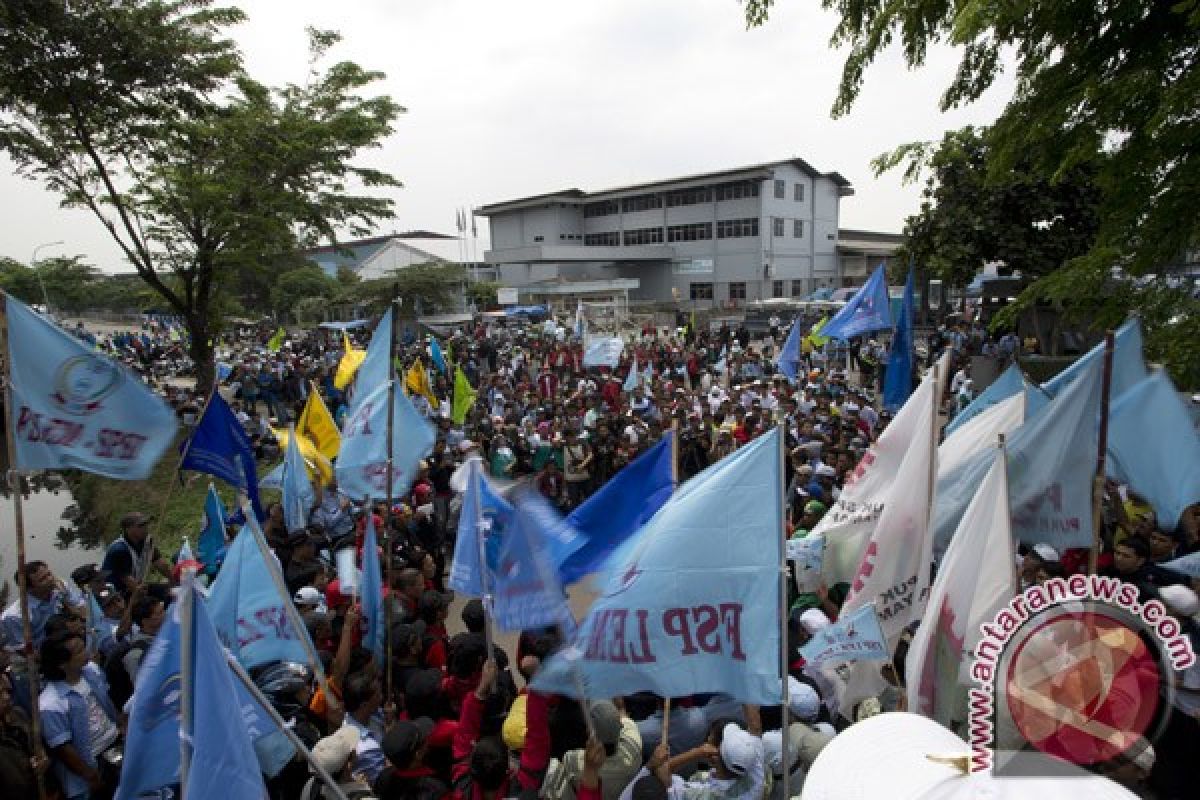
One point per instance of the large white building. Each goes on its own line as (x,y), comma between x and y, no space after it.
(719,239)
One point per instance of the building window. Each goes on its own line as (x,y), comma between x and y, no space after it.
(689,197)
(736,190)
(601,209)
(643,202)
(701,291)
(737,228)
(643,236)
(798,228)
(539,238)
(605,239)
(571,237)
(737,291)
(780,189)
(776,288)
(797,288)
(689,233)
(799,192)
(776,226)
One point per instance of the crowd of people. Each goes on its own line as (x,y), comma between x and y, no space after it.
(446,718)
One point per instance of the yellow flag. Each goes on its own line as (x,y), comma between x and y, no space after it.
(464,397)
(351,360)
(320,471)
(276,341)
(316,423)
(416,380)
(813,338)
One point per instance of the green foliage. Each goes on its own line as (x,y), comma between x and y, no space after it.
(140,112)
(310,281)
(428,288)
(484,294)
(73,286)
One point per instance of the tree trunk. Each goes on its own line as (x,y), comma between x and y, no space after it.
(201,351)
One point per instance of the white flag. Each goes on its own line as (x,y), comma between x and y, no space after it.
(894,571)
(975,580)
(979,433)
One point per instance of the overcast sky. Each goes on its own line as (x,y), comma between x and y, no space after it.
(508,98)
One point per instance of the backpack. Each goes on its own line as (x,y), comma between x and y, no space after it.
(120,686)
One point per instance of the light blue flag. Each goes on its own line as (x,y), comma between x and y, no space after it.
(789,355)
(603,351)
(249,609)
(1128,367)
(618,509)
(1153,447)
(374,370)
(372,594)
(362,461)
(273,479)
(185,552)
(897,380)
(648,375)
(690,604)
(870,309)
(1188,565)
(484,514)
(73,408)
(436,356)
(631,380)
(211,544)
(1005,386)
(854,637)
(722,365)
(298,494)
(527,593)
(223,763)
(1051,463)
(152,737)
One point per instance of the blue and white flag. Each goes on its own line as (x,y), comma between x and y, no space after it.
(648,375)
(436,355)
(152,737)
(211,544)
(897,380)
(371,596)
(1187,565)
(691,603)
(632,379)
(619,509)
(580,322)
(870,309)
(484,514)
(362,461)
(807,554)
(76,409)
(250,609)
(527,593)
(298,494)
(603,351)
(375,371)
(1128,367)
(273,479)
(789,355)
(1005,386)
(220,447)
(1051,463)
(854,637)
(1153,447)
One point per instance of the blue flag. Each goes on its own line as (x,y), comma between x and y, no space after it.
(1153,447)
(73,408)
(220,447)
(362,461)
(298,495)
(152,737)
(211,544)
(371,595)
(690,604)
(631,380)
(1005,386)
(375,371)
(484,514)
(1127,369)
(436,356)
(619,509)
(854,637)
(868,310)
(249,609)
(789,355)
(897,381)
(527,593)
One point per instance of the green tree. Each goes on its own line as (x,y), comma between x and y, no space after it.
(140,112)
(426,288)
(19,281)
(289,288)
(483,294)
(1111,87)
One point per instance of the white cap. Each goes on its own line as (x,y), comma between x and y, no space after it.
(332,752)
(803,700)
(1046,553)
(1180,599)
(307,596)
(742,752)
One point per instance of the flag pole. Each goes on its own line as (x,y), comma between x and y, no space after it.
(1101,453)
(783,612)
(387,519)
(187,678)
(17,485)
(257,694)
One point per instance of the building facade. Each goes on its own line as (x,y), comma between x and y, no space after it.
(716,240)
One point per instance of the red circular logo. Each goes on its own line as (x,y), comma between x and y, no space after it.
(1083,686)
